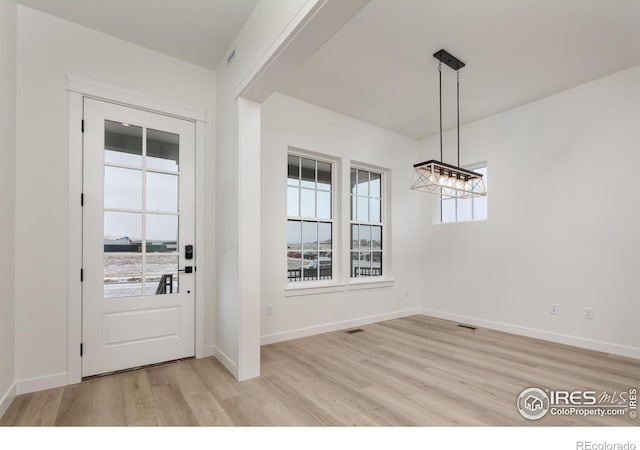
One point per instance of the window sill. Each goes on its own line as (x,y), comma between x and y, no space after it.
(370,283)
(460,221)
(311,289)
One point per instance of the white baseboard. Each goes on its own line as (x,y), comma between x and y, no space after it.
(41,383)
(334,326)
(575,341)
(209,350)
(226,361)
(7,398)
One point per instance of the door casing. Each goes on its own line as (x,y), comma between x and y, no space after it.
(78,89)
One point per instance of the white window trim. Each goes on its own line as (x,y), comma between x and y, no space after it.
(437,210)
(387,276)
(320,286)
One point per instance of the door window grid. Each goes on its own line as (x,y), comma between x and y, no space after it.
(366,223)
(465,210)
(144,262)
(309,219)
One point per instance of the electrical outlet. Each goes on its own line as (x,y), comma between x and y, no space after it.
(554,309)
(588,313)
(269,310)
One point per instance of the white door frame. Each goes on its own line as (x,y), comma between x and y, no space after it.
(78,89)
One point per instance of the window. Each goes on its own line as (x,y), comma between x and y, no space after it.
(366,223)
(468,209)
(309,219)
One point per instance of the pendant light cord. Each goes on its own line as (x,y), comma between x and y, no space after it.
(458,108)
(440,73)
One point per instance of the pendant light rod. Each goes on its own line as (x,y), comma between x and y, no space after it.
(458,110)
(445,57)
(440,73)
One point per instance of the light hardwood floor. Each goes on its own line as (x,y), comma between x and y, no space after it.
(412,371)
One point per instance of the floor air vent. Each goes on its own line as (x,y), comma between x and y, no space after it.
(468,327)
(357,330)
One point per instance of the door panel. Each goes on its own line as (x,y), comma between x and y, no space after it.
(138,216)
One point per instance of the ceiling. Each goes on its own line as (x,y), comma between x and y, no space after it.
(379,67)
(198,31)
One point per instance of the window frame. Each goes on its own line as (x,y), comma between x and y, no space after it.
(335,247)
(384,235)
(439,217)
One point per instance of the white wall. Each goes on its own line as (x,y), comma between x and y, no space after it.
(253,45)
(287,122)
(7,196)
(48,49)
(563,220)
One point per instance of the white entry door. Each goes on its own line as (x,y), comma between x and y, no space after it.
(138,234)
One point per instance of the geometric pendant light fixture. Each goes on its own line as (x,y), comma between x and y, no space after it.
(437,177)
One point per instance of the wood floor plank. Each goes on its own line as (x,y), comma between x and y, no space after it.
(173,409)
(415,370)
(108,402)
(17,408)
(42,409)
(140,408)
(203,404)
(76,405)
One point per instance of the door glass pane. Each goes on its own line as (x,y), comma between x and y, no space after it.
(162,192)
(162,233)
(123,228)
(161,274)
(122,143)
(140,249)
(163,150)
(122,188)
(122,275)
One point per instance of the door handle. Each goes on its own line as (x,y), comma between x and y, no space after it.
(187,269)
